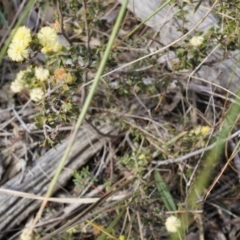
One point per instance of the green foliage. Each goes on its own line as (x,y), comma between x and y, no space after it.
(136,161)
(225,33)
(164,192)
(82,177)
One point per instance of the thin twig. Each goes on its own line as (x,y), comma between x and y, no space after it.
(189,155)
(87,35)
(159,50)
(3,125)
(60,16)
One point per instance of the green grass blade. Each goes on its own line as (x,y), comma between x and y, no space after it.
(144,21)
(103,236)
(164,192)
(3,20)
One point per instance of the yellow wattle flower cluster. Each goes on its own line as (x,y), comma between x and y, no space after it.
(22,82)
(200,130)
(60,74)
(18,84)
(33,78)
(18,49)
(48,38)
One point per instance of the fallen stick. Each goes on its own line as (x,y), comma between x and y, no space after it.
(14,209)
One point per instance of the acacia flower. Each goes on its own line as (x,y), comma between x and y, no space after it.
(57,47)
(36,94)
(196,41)
(172,224)
(22,37)
(20,75)
(17,52)
(200,130)
(47,36)
(41,73)
(60,74)
(16,86)
(52,49)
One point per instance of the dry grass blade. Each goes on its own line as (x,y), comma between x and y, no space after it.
(84,214)
(111,226)
(58,200)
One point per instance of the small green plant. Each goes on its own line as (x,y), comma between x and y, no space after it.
(137,161)
(82,177)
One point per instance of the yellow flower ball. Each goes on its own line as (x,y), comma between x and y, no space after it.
(172,224)
(57,47)
(200,130)
(41,73)
(196,41)
(22,37)
(46,50)
(36,94)
(47,36)
(16,86)
(17,52)
(20,75)
(51,49)
(60,74)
